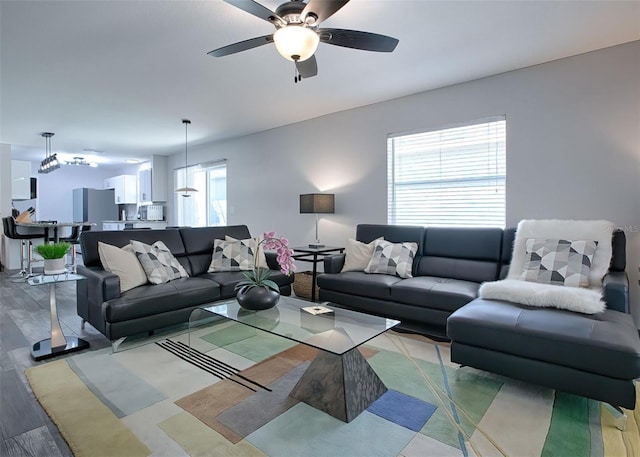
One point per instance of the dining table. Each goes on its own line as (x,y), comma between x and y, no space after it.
(50,227)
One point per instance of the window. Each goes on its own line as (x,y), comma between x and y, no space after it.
(208,206)
(450,177)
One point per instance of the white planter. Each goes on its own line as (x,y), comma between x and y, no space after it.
(54,266)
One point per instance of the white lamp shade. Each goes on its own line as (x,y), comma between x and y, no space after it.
(296,40)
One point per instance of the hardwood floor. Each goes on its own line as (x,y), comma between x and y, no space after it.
(25,429)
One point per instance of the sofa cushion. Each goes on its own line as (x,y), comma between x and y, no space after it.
(559,262)
(155,299)
(605,343)
(233,255)
(158,262)
(433,292)
(468,254)
(123,263)
(198,243)
(357,255)
(229,279)
(359,283)
(392,258)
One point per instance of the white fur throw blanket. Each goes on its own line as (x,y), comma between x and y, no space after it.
(554,229)
(579,299)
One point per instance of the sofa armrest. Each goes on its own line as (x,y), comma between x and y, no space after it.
(272,261)
(101,285)
(616,291)
(334,263)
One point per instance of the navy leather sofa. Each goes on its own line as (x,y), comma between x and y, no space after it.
(150,307)
(449,267)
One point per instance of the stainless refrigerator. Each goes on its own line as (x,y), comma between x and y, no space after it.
(95,206)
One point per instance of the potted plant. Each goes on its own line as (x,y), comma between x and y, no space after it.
(53,255)
(257,291)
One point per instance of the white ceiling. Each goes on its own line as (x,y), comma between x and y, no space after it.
(118,76)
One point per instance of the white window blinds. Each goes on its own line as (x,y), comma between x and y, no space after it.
(450,177)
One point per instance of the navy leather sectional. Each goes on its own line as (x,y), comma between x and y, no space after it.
(597,356)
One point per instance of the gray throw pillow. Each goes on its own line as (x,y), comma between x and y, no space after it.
(158,262)
(559,262)
(233,255)
(392,258)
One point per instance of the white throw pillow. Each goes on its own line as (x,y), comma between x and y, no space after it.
(158,262)
(392,258)
(358,255)
(559,262)
(123,263)
(262,258)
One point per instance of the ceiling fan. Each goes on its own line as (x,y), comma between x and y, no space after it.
(297,34)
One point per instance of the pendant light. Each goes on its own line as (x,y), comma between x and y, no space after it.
(50,162)
(186,190)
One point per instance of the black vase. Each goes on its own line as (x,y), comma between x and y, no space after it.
(257,298)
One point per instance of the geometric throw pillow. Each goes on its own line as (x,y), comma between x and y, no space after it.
(392,258)
(233,255)
(158,262)
(262,258)
(559,262)
(357,255)
(123,263)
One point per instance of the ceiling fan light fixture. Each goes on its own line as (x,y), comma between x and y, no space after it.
(296,42)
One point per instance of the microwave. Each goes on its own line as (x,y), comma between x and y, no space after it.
(152,213)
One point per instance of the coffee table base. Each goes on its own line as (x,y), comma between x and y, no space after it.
(340,385)
(42,349)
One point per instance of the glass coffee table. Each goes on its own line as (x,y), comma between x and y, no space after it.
(339,381)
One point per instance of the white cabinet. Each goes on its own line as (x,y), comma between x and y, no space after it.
(113,226)
(152,182)
(20,180)
(144,186)
(125,187)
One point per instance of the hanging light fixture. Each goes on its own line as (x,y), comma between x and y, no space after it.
(50,162)
(186,190)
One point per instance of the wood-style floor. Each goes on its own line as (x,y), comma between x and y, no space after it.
(25,428)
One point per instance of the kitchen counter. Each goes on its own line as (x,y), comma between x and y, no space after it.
(134,224)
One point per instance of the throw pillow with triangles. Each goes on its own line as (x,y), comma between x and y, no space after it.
(158,262)
(392,258)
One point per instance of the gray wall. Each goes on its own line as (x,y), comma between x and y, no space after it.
(573,151)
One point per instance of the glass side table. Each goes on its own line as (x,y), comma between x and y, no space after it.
(58,344)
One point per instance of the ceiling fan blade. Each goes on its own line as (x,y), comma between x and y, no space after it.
(257,10)
(308,68)
(322,9)
(241,46)
(358,40)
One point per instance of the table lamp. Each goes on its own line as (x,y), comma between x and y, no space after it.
(317,203)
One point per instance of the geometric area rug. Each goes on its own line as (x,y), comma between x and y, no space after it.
(148,401)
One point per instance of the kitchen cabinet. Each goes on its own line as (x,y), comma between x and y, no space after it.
(152,182)
(144,186)
(113,225)
(20,180)
(125,187)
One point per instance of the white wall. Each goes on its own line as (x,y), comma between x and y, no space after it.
(573,151)
(55,189)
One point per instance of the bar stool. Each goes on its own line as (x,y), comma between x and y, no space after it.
(11,232)
(74,239)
